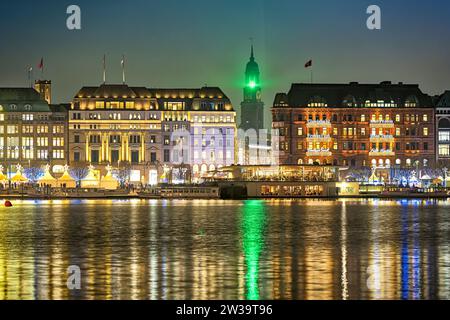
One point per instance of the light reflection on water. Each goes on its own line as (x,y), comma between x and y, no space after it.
(305,249)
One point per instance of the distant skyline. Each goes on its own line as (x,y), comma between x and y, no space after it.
(173,43)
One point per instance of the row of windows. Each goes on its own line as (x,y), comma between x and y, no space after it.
(365,163)
(13,107)
(350,132)
(212,156)
(116,116)
(363,118)
(350,146)
(29,141)
(14,129)
(28,154)
(350,101)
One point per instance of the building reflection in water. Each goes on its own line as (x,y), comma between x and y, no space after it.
(305,249)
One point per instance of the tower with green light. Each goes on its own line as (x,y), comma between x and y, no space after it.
(252,108)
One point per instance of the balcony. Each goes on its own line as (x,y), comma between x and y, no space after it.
(381,153)
(319,138)
(382,138)
(382,123)
(319,153)
(318,124)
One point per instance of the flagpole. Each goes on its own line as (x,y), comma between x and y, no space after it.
(104,69)
(123,69)
(30,70)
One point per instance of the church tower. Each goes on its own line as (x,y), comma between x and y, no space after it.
(252,108)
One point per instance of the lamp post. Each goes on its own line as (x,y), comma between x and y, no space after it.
(445,176)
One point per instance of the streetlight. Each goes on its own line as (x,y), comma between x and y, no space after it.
(445,176)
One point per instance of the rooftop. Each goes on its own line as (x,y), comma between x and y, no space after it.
(22,100)
(353,95)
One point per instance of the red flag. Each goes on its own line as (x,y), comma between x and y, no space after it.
(41,64)
(308,64)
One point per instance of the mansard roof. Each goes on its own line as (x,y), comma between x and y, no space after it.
(444,100)
(22,100)
(336,95)
(111,91)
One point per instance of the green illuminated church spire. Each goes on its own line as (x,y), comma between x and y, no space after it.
(252,107)
(252,90)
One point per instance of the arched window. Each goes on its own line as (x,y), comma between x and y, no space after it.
(398,162)
(300,161)
(388,163)
(444,123)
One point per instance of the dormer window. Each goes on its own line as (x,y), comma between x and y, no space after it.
(28,107)
(317,102)
(349,101)
(13,107)
(412,102)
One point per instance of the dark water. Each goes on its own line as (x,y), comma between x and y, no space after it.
(354,249)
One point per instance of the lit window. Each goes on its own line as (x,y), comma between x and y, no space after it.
(444,136)
(27,117)
(425,131)
(42,142)
(58,154)
(444,150)
(12,129)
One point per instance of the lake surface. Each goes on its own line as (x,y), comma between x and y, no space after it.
(156,249)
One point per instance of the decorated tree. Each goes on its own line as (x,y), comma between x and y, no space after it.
(79,173)
(33,174)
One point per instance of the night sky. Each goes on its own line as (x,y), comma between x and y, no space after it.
(174,43)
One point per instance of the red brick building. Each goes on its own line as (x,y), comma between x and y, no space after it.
(356,125)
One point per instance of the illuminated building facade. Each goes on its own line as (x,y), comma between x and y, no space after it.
(356,125)
(160,135)
(443,129)
(32,132)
